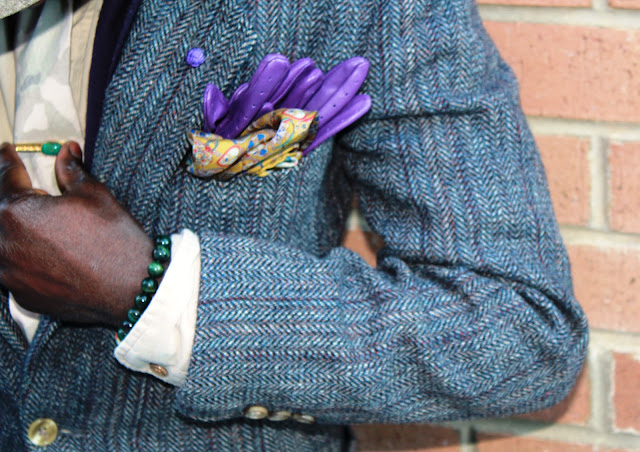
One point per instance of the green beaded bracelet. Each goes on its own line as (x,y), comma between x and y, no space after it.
(161,254)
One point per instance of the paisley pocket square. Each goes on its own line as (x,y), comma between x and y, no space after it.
(275,140)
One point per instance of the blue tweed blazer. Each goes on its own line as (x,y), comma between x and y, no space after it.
(469,314)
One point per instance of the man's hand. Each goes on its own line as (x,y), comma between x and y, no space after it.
(78,257)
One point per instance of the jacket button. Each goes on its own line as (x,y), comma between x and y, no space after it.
(42,432)
(158,370)
(304,418)
(279,415)
(255,412)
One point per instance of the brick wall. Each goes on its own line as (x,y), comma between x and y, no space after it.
(578,63)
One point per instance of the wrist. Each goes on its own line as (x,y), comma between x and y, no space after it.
(132,272)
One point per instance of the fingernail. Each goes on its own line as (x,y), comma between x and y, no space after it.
(75,150)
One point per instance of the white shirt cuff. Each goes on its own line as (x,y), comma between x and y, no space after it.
(160,342)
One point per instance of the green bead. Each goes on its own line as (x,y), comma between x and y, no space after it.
(121,334)
(133,315)
(149,285)
(161,253)
(126,326)
(155,269)
(163,240)
(51,148)
(142,301)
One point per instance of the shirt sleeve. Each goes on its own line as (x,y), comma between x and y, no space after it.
(160,342)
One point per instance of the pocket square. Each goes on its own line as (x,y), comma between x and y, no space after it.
(275,140)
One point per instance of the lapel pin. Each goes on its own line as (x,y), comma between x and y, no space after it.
(195,57)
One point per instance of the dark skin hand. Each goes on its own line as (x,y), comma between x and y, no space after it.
(78,257)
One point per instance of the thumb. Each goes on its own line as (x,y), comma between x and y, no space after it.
(70,172)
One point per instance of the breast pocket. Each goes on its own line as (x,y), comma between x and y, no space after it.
(275,207)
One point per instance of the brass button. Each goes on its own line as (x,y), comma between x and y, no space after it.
(304,418)
(279,416)
(158,370)
(43,432)
(256,412)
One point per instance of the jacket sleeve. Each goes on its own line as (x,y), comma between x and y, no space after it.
(470,312)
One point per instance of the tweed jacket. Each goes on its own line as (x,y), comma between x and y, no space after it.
(469,314)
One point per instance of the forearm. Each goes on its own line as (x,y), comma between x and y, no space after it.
(343,342)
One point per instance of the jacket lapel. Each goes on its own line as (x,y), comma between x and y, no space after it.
(13,336)
(154,96)
(10,332)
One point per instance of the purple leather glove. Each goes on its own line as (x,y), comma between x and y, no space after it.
(298,70)
(340,86)
(270,83)
(304,89)
(354,110)
(336,101)
(276,84)
(333,96)
(215,106)
(244,106)
(238,92)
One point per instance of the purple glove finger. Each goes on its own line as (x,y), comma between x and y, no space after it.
(238,92)
(266,108)
(341,97)
(269,75)
(333,80)
(297,70)
(358,106)
(214,106)
(304,89)
(340,85)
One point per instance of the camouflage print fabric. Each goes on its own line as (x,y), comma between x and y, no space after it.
(44,103)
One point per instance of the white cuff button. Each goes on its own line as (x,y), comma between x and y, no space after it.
(279,415)
(304,418)
(255,412)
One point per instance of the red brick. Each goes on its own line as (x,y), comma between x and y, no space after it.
(366,244)
(500,443)
(626,391)
(573,71)
(406,438)
(607,284)
(575,409)
(566,161)
(628,4)
(539,2)
(624,186)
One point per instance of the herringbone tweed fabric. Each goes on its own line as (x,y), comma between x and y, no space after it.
(470,312)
